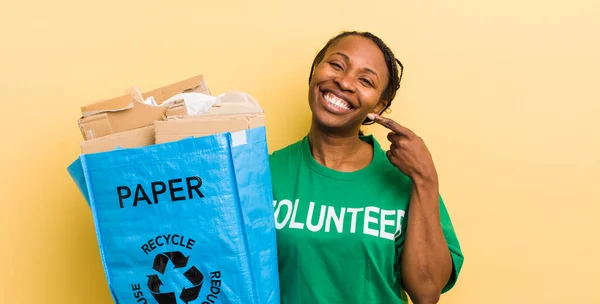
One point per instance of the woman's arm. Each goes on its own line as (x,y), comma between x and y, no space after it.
(426,263)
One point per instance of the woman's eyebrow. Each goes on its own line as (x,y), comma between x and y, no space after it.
(342,54)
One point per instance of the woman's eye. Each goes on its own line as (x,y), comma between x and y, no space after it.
(366,82)
(336,65)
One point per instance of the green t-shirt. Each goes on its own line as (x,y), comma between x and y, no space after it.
(340,234)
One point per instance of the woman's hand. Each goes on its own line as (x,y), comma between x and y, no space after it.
(408,152)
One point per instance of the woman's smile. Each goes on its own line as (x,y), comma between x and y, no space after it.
(336,104)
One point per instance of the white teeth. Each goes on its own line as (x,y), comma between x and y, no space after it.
(335,101)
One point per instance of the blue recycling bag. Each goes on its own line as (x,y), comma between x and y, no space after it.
(189,221)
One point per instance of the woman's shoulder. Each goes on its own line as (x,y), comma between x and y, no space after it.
(288,154)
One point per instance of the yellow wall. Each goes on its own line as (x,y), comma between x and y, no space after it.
(505,94)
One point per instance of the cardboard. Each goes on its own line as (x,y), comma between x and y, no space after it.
(195,84)
(174,129)
(113,104)
(177,109)
(135,94)
(232,109)
(95,126)
(117,115)
(230,103)
(127,122)
(235,103)
(139,137)
(129,112)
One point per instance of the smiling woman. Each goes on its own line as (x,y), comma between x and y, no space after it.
(357,224)
(382,84)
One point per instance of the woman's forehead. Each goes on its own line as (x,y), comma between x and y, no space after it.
(360,51)
(355,43)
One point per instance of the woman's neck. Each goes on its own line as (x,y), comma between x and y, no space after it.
(344,153)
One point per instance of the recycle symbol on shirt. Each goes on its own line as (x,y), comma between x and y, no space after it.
(193,275)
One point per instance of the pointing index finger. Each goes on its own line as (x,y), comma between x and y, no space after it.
(390,124)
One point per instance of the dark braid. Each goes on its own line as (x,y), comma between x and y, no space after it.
(390,61)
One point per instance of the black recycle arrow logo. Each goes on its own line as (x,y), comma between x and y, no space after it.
(194,276)
(162,259)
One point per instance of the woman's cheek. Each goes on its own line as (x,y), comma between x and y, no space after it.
(369,101)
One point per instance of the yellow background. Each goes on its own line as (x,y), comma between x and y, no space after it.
(505,94)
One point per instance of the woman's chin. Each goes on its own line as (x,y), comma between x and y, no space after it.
(334,123)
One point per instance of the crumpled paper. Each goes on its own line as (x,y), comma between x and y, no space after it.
(198,104)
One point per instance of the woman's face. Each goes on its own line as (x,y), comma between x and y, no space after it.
(347,84)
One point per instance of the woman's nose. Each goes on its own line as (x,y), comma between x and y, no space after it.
(345,82)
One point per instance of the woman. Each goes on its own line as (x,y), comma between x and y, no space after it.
(357,224)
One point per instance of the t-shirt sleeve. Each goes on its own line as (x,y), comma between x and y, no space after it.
(453,246)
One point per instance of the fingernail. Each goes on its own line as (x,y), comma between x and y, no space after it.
(371,116)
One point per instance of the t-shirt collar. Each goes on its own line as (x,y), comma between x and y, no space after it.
(369,170)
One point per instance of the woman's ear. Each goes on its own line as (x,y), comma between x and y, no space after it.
(381,105)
